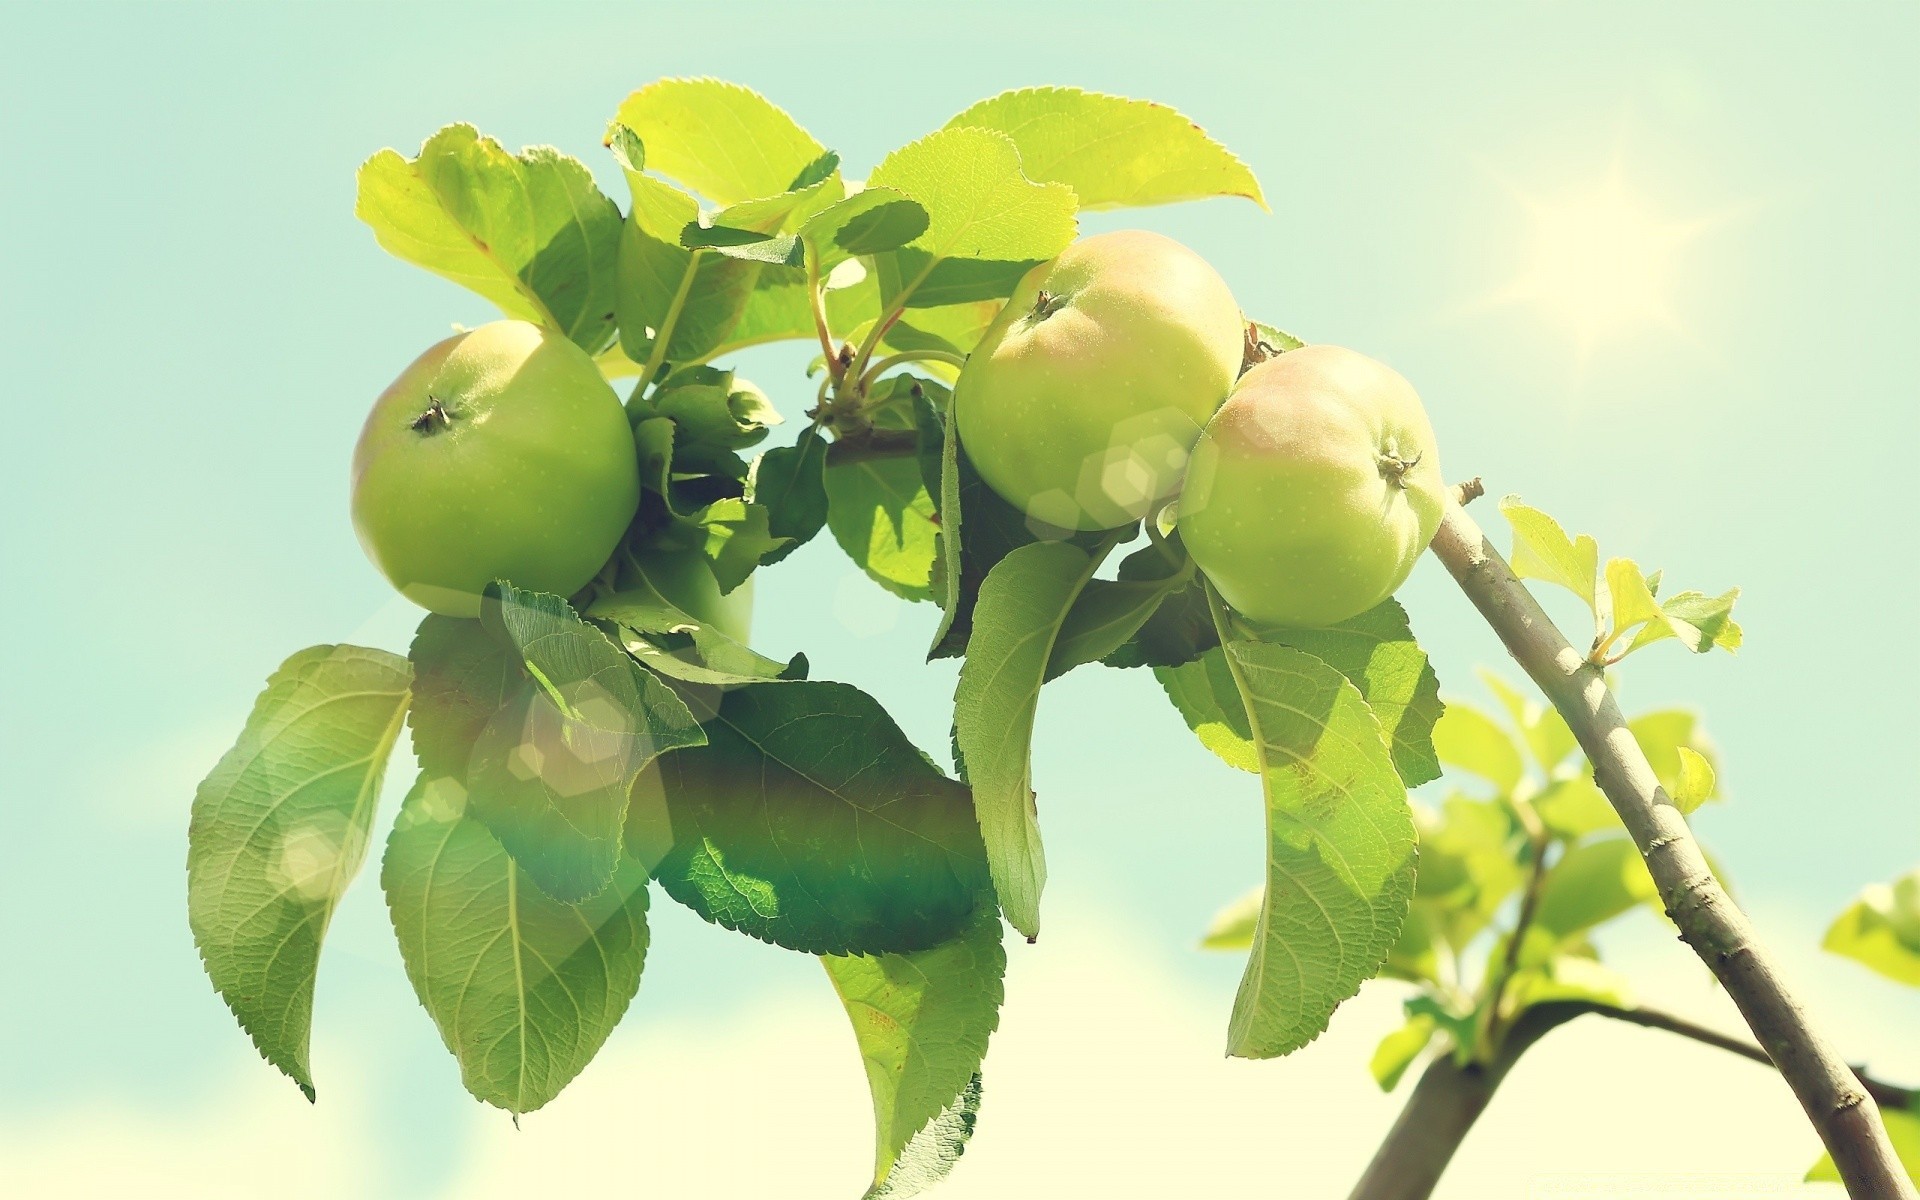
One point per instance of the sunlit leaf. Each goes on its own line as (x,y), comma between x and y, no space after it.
(1110,150)
(1399,1049)
(1340,848)
(529,231)
(922,1021)
(1542,550)
(1882,929)
(523,988)
(278,831)
(1022,604)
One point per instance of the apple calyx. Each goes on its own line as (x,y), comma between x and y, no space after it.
(1394,469)
(1045,305)
(432,420)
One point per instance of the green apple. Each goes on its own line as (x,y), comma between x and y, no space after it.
(685,579)
(1313,489)
(1086,394)
(500,453)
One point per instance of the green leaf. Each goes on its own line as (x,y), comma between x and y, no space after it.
(1575,807)
(948,576)
(1022,604)
(1903,1130)
(676,644)
(922,1021)
(1469,739)
(529,231)
(874,220)
(523,988)
(1207,698)
(810,821)
(548,771)
(979,207)
(1179,631)
(1377,652)
(993,529)
(1593,883)
(1274,341)
(1700,622)
(880,513)
(1662,735)
(1542,550)
(1340,848)
(693,299)
(1695,783)
(1398,1050)
(739,537)
(1541,725)
(1110,150)
(724,141)
(790,482)
(1233,927)
(1881,930)
(279,829)
(1469,864)
(714,417)
(1110,612)
(1567,977)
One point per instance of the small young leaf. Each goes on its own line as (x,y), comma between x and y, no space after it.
(1567,977)
(790,482)
(529,231)
(1592,883)
(1469,739)
(1022,604)
(1542,550)
(1340,848)
(279,829)
(1903,1130)
(1541,725)
(1233,927)
(1696,783)
(1662,734)
(922,1021)
(724,141)
(1575,807)
(1881,930)
(524,989)
(810,821)
(1398,1050)
(1110,150)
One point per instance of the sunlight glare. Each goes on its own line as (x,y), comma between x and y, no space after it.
(1601,262)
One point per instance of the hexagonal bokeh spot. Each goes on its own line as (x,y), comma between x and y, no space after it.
(1052,515)
(526,761)
(602,726)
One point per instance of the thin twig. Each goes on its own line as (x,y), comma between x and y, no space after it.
(1841,1111)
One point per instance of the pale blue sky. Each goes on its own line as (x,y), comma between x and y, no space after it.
(194,324)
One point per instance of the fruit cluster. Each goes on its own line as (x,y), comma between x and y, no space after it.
(1112,382)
